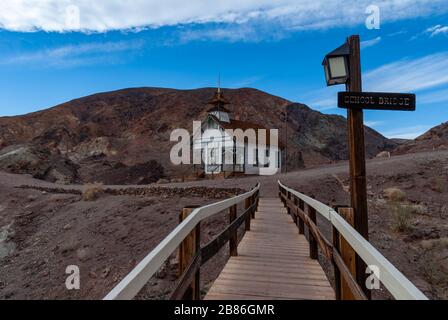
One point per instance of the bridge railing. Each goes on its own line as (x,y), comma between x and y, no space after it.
(341,251)
(186,237)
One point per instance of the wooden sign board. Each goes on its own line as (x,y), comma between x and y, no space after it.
(377,101)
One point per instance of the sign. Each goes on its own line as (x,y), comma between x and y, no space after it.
(377,101)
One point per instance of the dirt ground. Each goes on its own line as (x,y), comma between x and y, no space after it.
(42,232)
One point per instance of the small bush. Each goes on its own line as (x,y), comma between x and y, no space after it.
(92,191)
(439,184)
(395,195)
(401,214)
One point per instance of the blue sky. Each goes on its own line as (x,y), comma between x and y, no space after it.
(55,51)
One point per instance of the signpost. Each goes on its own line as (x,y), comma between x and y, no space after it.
(343,66)
(377,101)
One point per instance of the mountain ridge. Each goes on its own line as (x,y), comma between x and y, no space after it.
(132,126)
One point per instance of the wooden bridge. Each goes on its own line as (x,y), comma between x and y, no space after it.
(273,262)
(276,257)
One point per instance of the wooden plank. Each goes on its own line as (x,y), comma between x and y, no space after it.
(296,263)
(274,286)
(348,255)
(271,292)
(276,274)
(263,278)
(233,241)
(229,296)
(301,265)
(273,263)
(187,250)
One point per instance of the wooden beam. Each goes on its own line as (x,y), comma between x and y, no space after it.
(187,250)
(312,241)
(247,204)
(337,272)
(348,254)
(294,216)
(234,234)
(301,223)
(356,292)
(358,189)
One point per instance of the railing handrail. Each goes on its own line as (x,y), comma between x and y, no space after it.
(130,286)
(397,284)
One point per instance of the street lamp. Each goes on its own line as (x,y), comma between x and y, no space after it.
(343,66)
(336,65)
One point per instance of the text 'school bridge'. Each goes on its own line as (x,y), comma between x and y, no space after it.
(276,257)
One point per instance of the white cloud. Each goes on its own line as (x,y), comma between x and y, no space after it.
(370,43)
(74,55)
(409,75)
(437,30)
(245,82)
(434,97)
(247,32)
(408,132)
(105,15)
(373,123)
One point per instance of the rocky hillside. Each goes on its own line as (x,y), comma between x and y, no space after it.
(434,139)
(125,130)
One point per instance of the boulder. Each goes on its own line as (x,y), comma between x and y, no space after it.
(39,162)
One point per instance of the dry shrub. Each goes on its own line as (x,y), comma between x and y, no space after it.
(400,210)
(435,269)
(395,194)
(439,184)
(401,214)
(92,191)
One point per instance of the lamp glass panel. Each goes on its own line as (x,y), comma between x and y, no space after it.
(337,67)
(327,74)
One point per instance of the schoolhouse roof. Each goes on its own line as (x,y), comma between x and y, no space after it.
(244,125)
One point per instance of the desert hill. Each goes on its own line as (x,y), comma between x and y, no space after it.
(434,139)
(127,132)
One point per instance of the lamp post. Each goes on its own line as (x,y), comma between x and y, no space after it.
(343,66)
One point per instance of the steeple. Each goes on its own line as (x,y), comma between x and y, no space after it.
(218,101)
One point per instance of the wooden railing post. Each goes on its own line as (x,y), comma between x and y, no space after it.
(294,216)
(257,199)
(288,196)
(252,201)
(348,256)
(187,250)
(234,234)
(312,240)
(301,222)
(337,273)
(247,204)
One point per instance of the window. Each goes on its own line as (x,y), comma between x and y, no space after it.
(256,158)
(266,159)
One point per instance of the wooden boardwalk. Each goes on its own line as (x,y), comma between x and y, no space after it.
(273,262)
